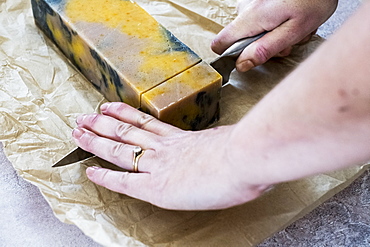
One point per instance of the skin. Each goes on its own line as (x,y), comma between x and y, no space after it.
(316,120)
(290,22)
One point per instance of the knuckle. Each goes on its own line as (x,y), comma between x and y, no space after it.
(87,140)
(143,120)
(118,150)
(262,54)
(90,140)
(116,108)
(119,107)
(123,128)
(123,181)
(100,177)
(93,119)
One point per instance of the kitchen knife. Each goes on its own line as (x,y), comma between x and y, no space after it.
(224,65)
(77,154)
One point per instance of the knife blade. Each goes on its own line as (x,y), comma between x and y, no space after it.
(77,154)
(225,63)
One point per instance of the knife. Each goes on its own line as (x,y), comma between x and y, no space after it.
(77,154)
(224,65)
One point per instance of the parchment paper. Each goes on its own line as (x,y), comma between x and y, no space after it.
(41,95)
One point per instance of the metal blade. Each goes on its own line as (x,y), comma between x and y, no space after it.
(74,156)
(225,63)
(224,66)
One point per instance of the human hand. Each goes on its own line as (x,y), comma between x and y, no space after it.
(289,22)
(179,169)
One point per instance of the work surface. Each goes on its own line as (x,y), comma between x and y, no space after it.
(344,220)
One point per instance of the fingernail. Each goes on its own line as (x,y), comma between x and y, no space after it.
(245,66)
(104,106)
(77,133)
(91,170)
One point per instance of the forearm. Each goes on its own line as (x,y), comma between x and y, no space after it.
(318,118)
(314,121)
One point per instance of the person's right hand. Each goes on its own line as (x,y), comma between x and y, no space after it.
(289,22)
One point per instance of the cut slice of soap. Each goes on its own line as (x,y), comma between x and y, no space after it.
(188,100)
(126,54)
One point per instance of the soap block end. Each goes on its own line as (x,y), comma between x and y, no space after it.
(189,100)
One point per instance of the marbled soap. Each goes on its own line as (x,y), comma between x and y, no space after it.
(185,102)
(126,54)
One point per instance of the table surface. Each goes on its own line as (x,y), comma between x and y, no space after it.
(27,220)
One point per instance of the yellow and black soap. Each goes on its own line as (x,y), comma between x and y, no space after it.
(128,56)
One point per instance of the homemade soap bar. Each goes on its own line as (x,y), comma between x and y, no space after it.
(196,104)
(128,56)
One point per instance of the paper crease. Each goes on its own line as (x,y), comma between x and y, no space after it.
(41,95)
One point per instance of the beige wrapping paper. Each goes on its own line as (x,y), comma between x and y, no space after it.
(41,95)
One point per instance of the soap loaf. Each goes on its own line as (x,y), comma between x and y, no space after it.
(128,56)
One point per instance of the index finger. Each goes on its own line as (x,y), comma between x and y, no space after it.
(130,115)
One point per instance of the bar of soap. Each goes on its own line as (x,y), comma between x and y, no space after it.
(185,102)
(128,56)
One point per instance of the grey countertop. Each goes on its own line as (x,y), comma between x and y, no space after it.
(27,220)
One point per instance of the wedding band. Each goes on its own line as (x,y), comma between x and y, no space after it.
(138,152)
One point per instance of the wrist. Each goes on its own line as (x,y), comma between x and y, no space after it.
(247,169)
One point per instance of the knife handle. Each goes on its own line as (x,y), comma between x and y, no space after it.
(236,49)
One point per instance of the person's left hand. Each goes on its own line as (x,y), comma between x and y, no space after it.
(289,22)
(179,169)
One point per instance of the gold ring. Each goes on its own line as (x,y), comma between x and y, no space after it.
(138,152)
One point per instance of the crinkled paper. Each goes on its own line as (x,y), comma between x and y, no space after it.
(41,95)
